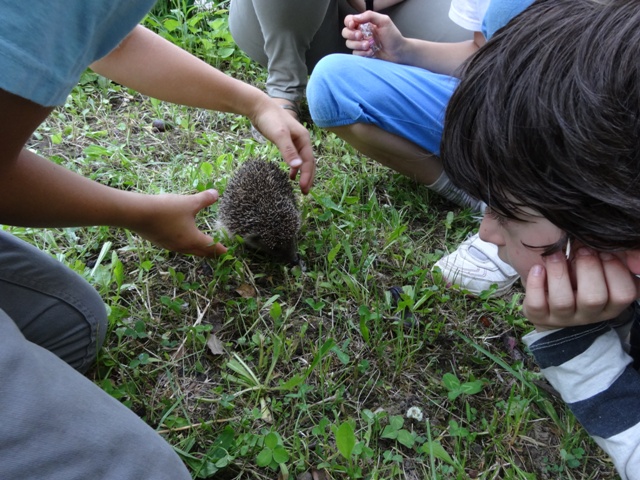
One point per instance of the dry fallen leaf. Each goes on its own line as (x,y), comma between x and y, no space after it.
(246,291)
(266,413)
(215,345)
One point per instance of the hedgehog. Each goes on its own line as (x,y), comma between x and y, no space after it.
(259,205)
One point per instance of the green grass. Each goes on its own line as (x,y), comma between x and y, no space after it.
(256,370)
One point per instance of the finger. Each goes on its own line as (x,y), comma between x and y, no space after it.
(363,53)
(350,23)
(535,306)
(307,170)
(205,199)
(592,295)
(352,33)
(623,287)
(359,45)
(201,245)
(299,156)
(209,248)
(561,293)
(365,17)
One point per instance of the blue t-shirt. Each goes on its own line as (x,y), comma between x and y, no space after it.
(45,46)
(499,13)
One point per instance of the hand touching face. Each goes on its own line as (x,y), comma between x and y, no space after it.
(585,288)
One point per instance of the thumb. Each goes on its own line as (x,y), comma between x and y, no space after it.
(208,248)
(207,198)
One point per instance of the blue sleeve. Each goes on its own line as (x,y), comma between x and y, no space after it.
(45,46)
(499,13)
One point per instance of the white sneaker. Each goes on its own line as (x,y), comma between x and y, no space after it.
(475,266)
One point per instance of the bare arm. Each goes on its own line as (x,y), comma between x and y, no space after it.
(153,66)
(36,192)
(445,58)
(437,57)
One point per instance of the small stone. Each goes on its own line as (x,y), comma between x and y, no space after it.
(158,125)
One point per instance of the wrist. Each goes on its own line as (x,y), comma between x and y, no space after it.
(131,210)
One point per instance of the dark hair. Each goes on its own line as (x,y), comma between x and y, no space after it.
(547,116)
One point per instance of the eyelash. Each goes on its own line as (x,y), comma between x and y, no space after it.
(501,219)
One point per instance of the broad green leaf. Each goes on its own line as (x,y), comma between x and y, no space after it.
(206,168)
(271,440)
(225,52)
(264,457)
(364,330)
(171,24)
(345,440)
(276,311)
(342,356)
(471,388)
(396,422)
(389,432)
(435,449)
(406,438)
(453,395)
(280,454)
(97,151)
(450,381)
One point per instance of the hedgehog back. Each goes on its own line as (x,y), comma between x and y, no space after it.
(259,202)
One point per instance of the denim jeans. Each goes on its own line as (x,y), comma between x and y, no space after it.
(56,423)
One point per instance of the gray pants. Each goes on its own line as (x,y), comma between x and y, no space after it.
(289,37)
(56,424)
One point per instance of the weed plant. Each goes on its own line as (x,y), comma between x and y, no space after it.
(252,369)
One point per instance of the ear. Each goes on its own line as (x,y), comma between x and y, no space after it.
(633,261)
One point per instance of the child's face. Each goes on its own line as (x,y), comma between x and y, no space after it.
(515,238)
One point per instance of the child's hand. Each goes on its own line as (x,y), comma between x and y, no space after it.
(291,138)
(170,223)
(385,41)
(589,288)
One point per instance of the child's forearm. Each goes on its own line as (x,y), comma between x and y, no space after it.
(155,67)
(589,368)
(444,58)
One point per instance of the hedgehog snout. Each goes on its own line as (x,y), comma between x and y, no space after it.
(286,252)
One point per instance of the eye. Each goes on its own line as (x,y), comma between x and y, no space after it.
(501,219)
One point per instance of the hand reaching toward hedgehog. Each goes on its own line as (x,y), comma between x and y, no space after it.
(291,138)
(170,224)
(153,66)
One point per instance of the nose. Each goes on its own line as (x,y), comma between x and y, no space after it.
(490,231)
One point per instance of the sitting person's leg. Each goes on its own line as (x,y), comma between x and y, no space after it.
(289,37)
(52,306)
(279,35)
(427,21)
(56,422)
(394,114)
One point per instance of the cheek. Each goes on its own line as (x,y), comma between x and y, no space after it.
(522,259)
